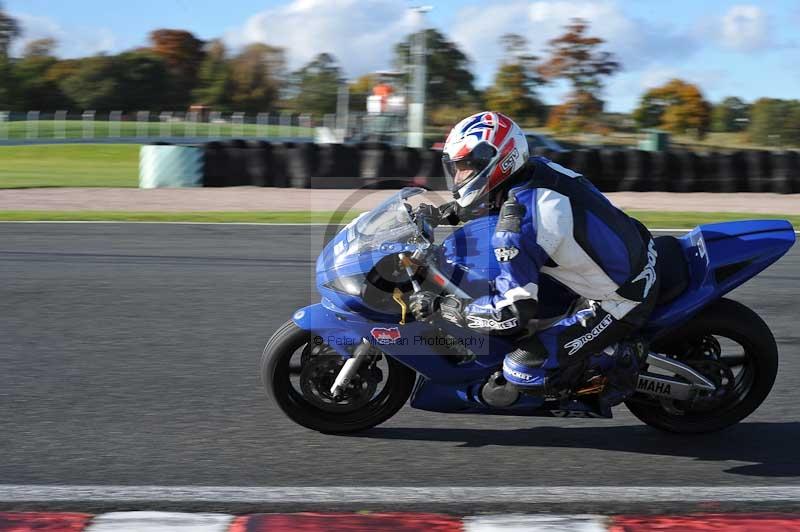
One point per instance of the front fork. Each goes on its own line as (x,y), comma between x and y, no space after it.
(350,368)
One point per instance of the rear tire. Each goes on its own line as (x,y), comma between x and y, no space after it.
(731,320)
(275,374)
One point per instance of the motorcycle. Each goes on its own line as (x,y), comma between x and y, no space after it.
(352,361)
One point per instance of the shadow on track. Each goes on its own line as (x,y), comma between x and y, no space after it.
(768,446)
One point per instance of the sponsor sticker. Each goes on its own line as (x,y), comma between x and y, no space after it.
(476,322)
(505,254)
(575,345)
(653,386)
(649,272)
(385,335)
(508,163)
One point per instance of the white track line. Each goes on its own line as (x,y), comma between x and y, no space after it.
(398,495)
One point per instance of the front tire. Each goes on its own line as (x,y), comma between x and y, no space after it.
(276,377)
(735,324)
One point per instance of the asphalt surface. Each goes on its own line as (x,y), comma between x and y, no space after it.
(129,356)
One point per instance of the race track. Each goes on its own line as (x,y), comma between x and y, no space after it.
(129,356)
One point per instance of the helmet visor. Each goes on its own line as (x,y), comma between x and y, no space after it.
(461,171)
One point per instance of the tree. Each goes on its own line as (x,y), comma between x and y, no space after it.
(182,52)
(360,89)
(677,106)
(730,115)
(576,57)
(93,85)
(9,30)
(257,76)
(315,86)
(775,122)
(142,81)
(40,48)
(514,89)
(214,77)
(450,82)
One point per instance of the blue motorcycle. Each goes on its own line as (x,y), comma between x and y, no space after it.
(353,360)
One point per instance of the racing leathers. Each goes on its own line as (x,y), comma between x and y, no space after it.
(556,223)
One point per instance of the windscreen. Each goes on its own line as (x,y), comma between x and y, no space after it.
(388,224)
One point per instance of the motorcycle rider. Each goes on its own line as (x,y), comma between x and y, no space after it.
(554,222)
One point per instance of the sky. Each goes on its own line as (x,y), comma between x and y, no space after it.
(729,48)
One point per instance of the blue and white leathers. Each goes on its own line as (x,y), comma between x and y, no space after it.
(565,229)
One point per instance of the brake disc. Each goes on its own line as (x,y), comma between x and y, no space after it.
(320,371)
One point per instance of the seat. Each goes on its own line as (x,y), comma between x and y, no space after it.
(673,271)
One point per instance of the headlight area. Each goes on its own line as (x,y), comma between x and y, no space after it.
(350,285)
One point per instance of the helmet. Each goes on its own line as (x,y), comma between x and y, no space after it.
(480,153)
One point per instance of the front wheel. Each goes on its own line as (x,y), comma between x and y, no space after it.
(298,373)
(729,344)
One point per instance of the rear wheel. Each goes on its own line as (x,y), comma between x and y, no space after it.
(298,373)
(732,346)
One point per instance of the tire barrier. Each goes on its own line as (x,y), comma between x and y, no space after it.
(377,161)
(301,163)
(759,171)
(786,172)
(215,165)
(163,165)
(431,172)
(613,163)
(378,165)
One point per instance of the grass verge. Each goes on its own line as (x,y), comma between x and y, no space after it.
(69,165)
(654,219)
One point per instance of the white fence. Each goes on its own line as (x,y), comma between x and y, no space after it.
(88,125)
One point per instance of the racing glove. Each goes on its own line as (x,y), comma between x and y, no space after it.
(423,304)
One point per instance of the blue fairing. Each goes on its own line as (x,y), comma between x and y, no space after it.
(720,257)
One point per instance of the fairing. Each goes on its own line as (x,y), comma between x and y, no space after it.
(720,257)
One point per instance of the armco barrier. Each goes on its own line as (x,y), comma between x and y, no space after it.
(378,165)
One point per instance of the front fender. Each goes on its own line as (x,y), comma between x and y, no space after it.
(337,329)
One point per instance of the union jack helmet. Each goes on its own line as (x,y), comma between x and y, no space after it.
(480,153)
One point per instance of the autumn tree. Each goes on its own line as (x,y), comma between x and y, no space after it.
(515,83)
(360,89)
(182,52)
(257,77)
(677,106)
(576,58)
(730,115)
(214,77)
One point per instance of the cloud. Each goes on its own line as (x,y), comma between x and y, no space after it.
(636,42)
(744,28)
(77,42)
(361,34)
